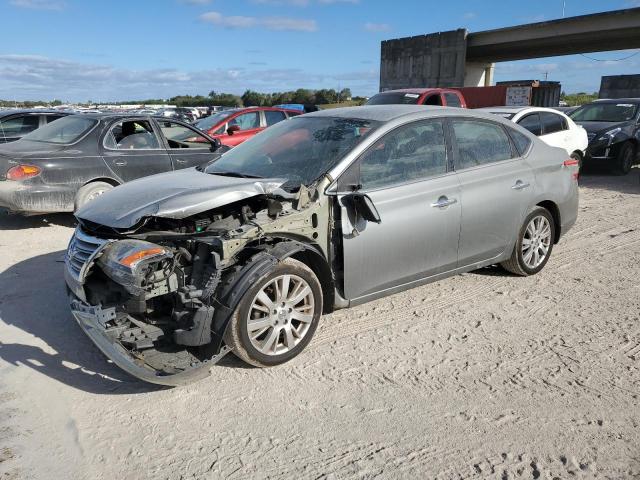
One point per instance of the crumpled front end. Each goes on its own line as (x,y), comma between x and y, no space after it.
(156,298)
(132,298)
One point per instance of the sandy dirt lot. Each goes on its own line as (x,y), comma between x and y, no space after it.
(483,375)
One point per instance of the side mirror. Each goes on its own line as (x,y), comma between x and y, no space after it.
(215,144)
(233,129)
(363,206)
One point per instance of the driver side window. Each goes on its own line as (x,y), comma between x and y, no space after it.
(409,153)
(179,136)
(132,135)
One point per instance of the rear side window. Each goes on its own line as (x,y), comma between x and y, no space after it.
(532,123)
(273,116)
(522,141)
(452,100)
(480,142)
(552,123)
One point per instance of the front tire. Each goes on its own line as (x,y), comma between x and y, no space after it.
(625,159)
(89,192)
(534,245)
(277,316)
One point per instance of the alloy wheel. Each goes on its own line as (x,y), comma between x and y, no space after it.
(536,241)
(281,314)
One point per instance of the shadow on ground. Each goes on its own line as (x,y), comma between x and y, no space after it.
(33,299)
(19,222)
(600,179)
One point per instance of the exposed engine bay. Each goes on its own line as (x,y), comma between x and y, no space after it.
(164,289)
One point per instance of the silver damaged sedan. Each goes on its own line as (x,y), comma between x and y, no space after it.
(328,210)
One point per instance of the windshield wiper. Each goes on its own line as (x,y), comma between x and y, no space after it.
(234,174)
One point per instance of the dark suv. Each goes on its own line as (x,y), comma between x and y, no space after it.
(613,129)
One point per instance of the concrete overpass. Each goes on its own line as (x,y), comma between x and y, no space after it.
(459,58)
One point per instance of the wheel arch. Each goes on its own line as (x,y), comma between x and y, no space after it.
(241,277)
(111,181)
(553,209)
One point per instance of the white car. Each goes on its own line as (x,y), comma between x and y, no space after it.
(551,126)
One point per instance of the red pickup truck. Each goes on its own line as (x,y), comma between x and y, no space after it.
(420,96)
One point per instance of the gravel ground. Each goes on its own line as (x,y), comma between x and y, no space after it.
(480,375)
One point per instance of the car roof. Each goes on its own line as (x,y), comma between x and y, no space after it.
(386,113)
(617,100)
(516,110)
(4,113)
(414,90)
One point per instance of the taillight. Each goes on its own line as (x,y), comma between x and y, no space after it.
(573,162)
(22,172)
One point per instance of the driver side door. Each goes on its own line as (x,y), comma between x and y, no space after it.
(408,176)
(186,146)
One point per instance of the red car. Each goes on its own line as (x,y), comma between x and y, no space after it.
(232,127)
(420,96)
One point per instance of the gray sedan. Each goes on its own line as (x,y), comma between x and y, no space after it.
(328,210)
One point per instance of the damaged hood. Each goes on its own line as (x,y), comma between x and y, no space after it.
(178,194)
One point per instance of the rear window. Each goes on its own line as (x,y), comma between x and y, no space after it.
(64,130)
(452,100)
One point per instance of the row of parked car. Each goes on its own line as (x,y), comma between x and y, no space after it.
(63,161)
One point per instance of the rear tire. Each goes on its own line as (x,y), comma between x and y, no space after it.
(577,156)
(625,159)
(89,192)
(277,317)
(534,245)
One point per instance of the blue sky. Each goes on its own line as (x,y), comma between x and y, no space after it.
(78,50)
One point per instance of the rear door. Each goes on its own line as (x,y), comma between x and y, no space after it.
(496,189)
(132,149)
(187,147)
(407,175)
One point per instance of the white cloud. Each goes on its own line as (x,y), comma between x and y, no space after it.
(270,23)
(36,77)
(469,15)
(377,27)
(39,4)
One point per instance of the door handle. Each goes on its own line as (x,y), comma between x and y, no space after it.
(179,160)
(444,202)
(520,185)
(120,163)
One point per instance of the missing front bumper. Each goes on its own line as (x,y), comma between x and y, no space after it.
(93,320)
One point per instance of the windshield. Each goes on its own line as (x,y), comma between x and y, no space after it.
(64,130)
(300,150)
(394,98)
(212,120)
(605,112)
